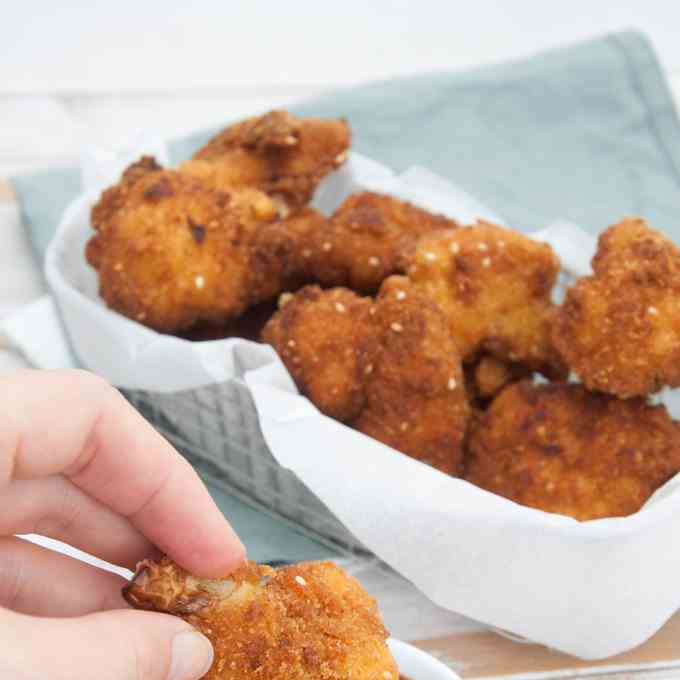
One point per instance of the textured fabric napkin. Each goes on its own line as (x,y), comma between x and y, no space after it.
(587,133)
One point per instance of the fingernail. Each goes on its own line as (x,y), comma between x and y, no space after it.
(192,656)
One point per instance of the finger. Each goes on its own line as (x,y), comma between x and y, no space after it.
(115,645)
(75,424)
(55,507)
(35,580)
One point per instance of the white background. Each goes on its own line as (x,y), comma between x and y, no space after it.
(166,45)
(77,72)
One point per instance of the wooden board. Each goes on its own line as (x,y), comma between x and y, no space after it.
(489,655)
(7,194)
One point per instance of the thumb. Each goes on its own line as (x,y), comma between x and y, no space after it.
(113,645)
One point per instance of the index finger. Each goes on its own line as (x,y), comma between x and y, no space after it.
(75,424)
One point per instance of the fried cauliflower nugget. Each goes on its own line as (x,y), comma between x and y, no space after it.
(309,621)
(489,375)
(413,379)
(170,251)
(359,246)
(562,449)
(278,262)
(619,329)
(388,368)
(494,286)
(283,156)
(318,335)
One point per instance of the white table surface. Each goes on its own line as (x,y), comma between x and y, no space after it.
(71,76)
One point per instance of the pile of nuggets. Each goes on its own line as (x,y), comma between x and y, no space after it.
(440,340)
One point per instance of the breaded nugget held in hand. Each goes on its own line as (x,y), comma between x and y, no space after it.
(562,449)
(494,286)
(171,251)
(308,621)
(388,368)
(619,330)
(360,245)
(284,156)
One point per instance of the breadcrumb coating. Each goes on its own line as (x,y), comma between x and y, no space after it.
(284,156)
(318,335)
(360,245)
(489,375)
(171,251)
(388,368)
(494,286)
(619,329)
(308,621)
(562,449)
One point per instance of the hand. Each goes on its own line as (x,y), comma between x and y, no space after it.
(80,465)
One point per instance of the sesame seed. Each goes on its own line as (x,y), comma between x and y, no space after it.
(291,343)
(397,327)
(306,253)
(341,157)
(141,316)
(374,261)
(289,140)
(340,307)
(327,246)
(387,675)
(486,262)
(483,247)
(369,369)
(454,248)
(501,244)
(285,299)
(400,295)
(404,426)
(300,580)
(371,311)
(430,257)
(118,267)
(653,311)
(452,384)
(199,281)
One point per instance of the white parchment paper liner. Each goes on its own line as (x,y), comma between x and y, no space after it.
(135,357)
(591,589)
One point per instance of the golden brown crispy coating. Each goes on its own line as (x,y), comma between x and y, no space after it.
(489,375)
(171,251)
(308,621)
(494,286)
(619,330)
(360,245)
(317,334)
(282,155)
(560,448)
(388,368)
(278,263)
(413,379)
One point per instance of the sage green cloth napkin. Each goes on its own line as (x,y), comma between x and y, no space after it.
(588,133)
